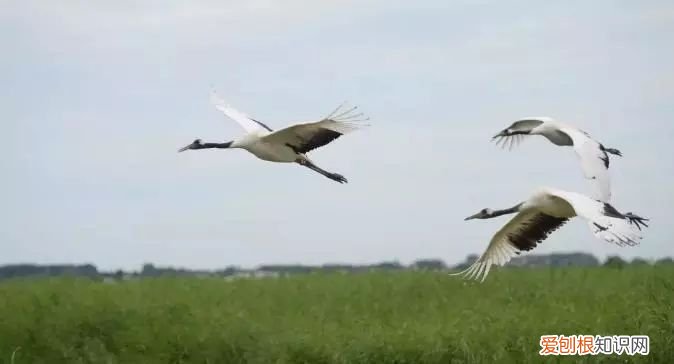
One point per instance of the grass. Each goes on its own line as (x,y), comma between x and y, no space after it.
(397,317)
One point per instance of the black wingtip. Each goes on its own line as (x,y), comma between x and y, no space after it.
(636,220)
(613,151)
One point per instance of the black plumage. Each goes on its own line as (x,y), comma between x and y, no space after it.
(262,124)
(535,230)
(319,139)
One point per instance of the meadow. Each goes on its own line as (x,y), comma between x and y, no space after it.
(379,317)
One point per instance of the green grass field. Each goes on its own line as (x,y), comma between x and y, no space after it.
(396,317)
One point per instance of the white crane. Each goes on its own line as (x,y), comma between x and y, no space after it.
(288,145)
(545,211)
(593,155)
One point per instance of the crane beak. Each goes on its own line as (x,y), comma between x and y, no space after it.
(192,145)
(471,217)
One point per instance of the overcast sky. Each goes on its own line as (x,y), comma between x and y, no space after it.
(97,97)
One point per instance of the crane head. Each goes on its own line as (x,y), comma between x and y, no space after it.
(196,144)
(483,214)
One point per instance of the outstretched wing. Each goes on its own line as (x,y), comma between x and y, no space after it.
(305,137)
(594,161)
(521,127)
(246,122)
(605,222)
(522,233)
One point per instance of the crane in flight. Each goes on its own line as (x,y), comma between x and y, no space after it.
(290,144)
(546,210)
(594,157)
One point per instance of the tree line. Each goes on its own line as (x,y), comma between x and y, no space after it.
(150,270)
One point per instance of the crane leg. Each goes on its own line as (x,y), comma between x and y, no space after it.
(333,176)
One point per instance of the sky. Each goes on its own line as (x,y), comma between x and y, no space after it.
(96,98)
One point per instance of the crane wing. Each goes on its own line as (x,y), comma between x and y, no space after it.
(522,233)
(246,122)
(594,161)
(305,137)
(605,222)
(524,124)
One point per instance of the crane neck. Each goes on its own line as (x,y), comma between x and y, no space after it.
(507,211)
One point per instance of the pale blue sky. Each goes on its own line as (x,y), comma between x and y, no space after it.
(96,99)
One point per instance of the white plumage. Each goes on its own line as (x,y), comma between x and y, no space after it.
(545,211)
(288,145)
(593,155)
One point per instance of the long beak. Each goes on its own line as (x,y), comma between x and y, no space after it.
(472,217)
(187,147)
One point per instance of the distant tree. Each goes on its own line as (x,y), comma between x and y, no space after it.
(387,266)
(18,270)
(429,264)
(26,270)
(119,274)
(639,261)
(229,271)
(470,259)
(615,262)
(149,270)
(332,268)
(88,270)
(286,269)
(664,261)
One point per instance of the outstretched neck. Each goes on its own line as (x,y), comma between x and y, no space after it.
(224,145)
(197,144)
(511,210)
